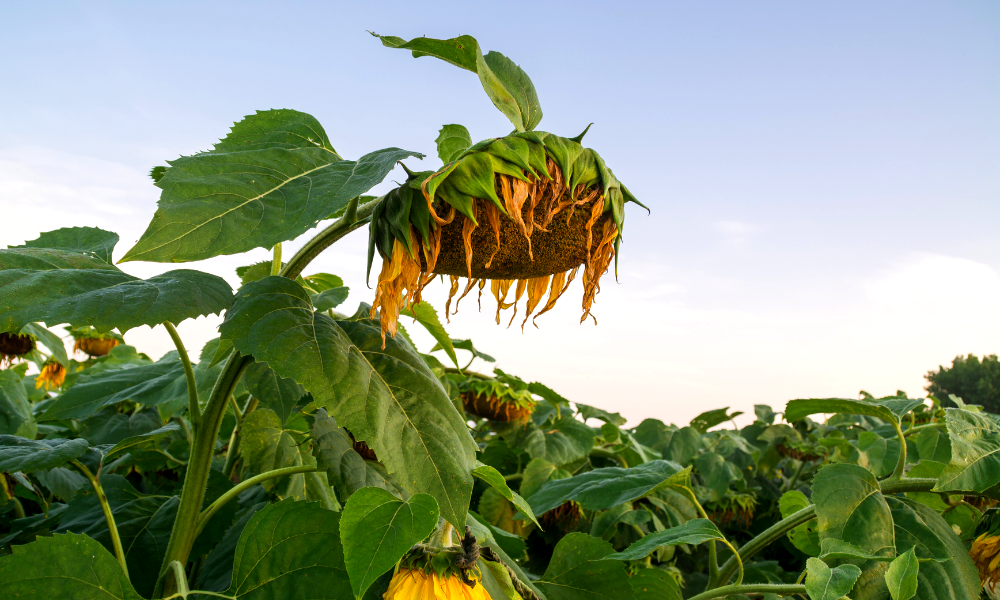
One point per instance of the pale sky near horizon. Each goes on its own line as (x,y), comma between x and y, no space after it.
(824,177)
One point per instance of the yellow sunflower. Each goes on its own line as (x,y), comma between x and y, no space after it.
(52,376)
(985,550)
(415,584)
(92,343)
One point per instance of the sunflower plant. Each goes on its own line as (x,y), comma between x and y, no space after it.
(313,451)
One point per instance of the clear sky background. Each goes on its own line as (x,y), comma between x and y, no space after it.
(824,177)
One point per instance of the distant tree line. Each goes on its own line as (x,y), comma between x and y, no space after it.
(973,380)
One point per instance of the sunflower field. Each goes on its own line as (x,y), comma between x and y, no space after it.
(313,451)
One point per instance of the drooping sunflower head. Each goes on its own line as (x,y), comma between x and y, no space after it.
(89,341)
(52,376)
(564,517)
(985,549)
(495,400)
(733,510)
(14,346)
(523,213)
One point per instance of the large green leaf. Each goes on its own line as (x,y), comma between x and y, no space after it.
(15,409)
(290,550)
(878,454)
(346,470)
(56,285)
(452,141)
(271,179)
(975,452)
(67,567)
(21,454)
(850,507)
(216,572)
(695,531)
(946,570)
(377,529)
(889,410)
(824,583)
(601,489)
(804,537)
(711,418)
(655,584)
(386,397)
(505,83)
(136,442)
(576,571)
(273,391)
(495,480)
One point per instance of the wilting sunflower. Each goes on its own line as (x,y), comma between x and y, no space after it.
(496,401)
(985,550)
(736,510)
(14,345)
(800,451)
(564,517)
(52,375)
(416,584)
(522,213)
(92,343)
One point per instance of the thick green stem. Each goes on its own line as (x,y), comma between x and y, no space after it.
(897,473)
(243,486)
(116,541)
(203,448)
(194,410)
(276,260)
(779,589)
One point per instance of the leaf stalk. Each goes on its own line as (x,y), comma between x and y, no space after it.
(194,410)
(102,498)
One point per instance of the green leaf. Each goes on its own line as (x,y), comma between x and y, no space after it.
(576,571)
(512,544)
(655,584)
(563,442)
(386,398)
(68,567)
(601,489)
(933,445)
(824,583)
(62,482)
(850,507)
(946,570)
(901,578)
(695,531)
(833,549)
(21,454)
(889,410)
(878,454)
(485,537)
(216,573)
(710,419)
(592,412)
(290,550)
(507,85)
(452,141)
(51,341)
(331,298)
(136,442)
(425,314)
(466,345)
(273,391)
(268,446)
(717,473)
(536,473)
(347,471)
(255,194)
(975,452)
(804,537)
(495,480)
(684,445)
(377,529)
(90,241)
(149,384)
(15,409)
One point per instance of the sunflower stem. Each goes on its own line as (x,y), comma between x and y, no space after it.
(116,541)
(922,428)
(194,410)
(182,536)
(897,473)
(779,589)
(276,259)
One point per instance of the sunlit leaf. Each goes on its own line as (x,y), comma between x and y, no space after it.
(425,314)
(824,583)
(975,452)
(889,410)
(451,141)
(495,480)
(901,578)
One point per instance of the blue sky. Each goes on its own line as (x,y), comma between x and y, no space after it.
(823,176)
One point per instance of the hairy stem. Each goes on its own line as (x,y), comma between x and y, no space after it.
(920,428)
(203,447)
(194,410)
(116,541)
(276,260)
(779,589)
(243,486)
(897,473)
